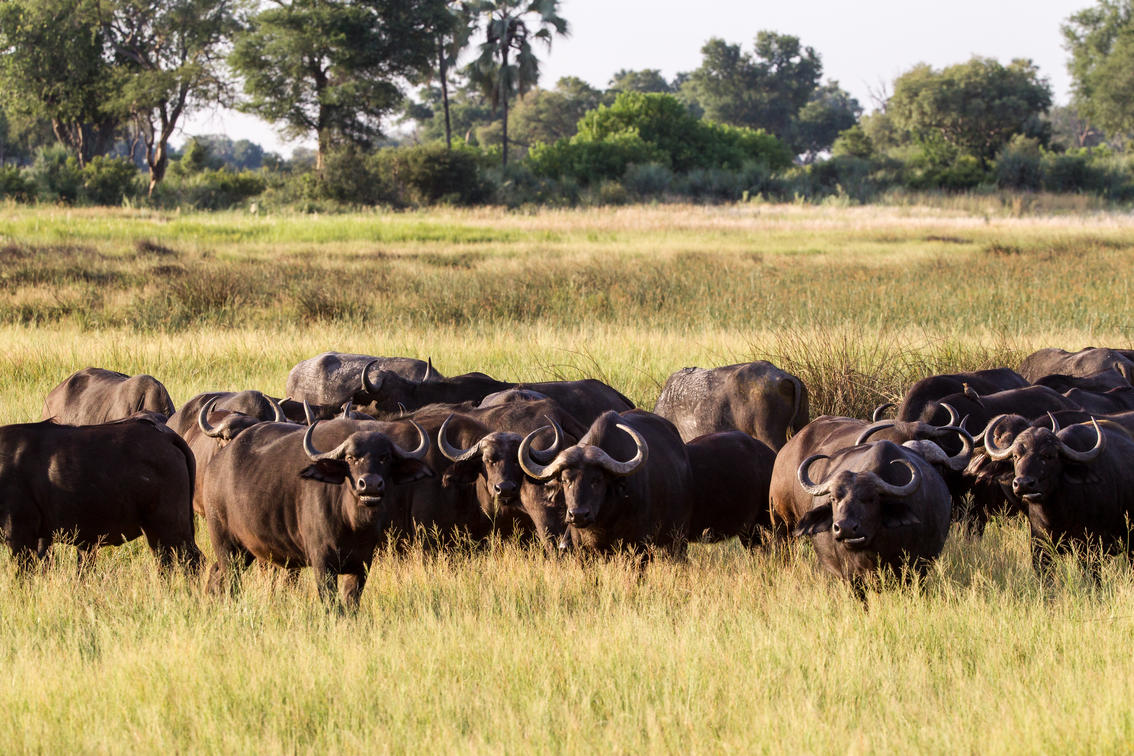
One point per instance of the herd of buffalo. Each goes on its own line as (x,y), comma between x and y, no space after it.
(364,449)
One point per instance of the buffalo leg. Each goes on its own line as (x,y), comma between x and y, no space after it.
(325,581)
(350,589)
(85,558)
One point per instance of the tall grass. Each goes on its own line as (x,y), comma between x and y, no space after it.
(502,649)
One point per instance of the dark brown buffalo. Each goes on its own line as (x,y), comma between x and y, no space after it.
(97,485)
(490,466)
(1104,380)
(584,399)
(1103,403)
(876,505)
(212,431)
(250,403)
(1030,401)
(1084,362)
(731,472)
(94,395)
(829,434)
(332,378)
(754,397)
(625,484)
(273,494)
(1076,484)
(922,400)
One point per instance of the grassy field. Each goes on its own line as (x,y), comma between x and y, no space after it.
(502,650)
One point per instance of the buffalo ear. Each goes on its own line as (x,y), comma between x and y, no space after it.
(461,473)
(326,471)
(409,470)
(898,515)
(818,520)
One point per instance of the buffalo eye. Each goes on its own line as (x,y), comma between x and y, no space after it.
(351,458)
(384,459)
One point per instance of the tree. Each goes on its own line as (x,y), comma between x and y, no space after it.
(764,90)
(169,56)
(333,67)
(507,66)
(1100,40)
(452,38)
(549,114)
(830,111)
(646,80)
(53,68)
(971,108)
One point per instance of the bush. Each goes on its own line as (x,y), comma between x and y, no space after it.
(106,181)
(587,160)
(14,184)
(56,175)
(431,173)
(648,180)
(1020,165)
(210,189)
(517,185)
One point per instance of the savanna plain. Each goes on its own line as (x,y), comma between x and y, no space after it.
(501,649)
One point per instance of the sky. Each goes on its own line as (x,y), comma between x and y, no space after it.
(863,45)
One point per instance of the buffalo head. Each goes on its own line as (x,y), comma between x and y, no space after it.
(367,460)
(858,504)
(583,475)
(493,460)
(1039,456)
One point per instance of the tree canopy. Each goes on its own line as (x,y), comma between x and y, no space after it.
(1100,40)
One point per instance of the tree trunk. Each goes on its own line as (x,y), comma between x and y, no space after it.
(158,164)
(442,67)
(504,99)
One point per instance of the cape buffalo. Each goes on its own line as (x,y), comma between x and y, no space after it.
(829,434)
(731,472)
(97,485)
(332,378)
(273,495)
(1103,403)
(1075,483)
(625,484)
(212,431)
(873,506)
(754,397)
(250,403)
(583,399)
(916,405)
(1104,380)
(1084,362)
(1030,401)
(94,395)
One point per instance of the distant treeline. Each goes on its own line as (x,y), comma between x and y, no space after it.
(91,93)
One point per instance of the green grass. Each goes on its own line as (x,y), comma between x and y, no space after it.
(503,650)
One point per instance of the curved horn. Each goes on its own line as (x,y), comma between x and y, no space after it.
(904,490)
(422,447)
(348,406)
(203,422)
(815,489)
(994,451)
(430,373)
(954,417)
(877,414)
(872,429)
(451,452)
(544,456)
(367,386)
(316,455)
(531,466)
(280,417)
(1084,456)
(308,413)
(613,466)
(1054,422)
(959,461)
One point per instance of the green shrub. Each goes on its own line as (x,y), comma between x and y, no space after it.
(56,175)
(16,185)
(648,180)
(517,186)
(1020,164)
(210,189)
(106,181)
(431,173)
(588,160)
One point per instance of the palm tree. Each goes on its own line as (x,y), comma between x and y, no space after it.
(452,39)
(506,65)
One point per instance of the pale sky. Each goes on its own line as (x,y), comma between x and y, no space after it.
(863,45)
